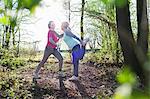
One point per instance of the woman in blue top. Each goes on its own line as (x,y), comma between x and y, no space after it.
(76,45)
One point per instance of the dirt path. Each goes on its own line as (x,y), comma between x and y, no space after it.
(93,81)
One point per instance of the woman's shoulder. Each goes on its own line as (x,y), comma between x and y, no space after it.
(67,30)
(51,32)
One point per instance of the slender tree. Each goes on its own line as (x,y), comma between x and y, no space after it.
(69,8)
(82,17)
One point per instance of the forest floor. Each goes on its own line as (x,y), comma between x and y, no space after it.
(94,80)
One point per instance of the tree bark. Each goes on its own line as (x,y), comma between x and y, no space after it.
(8,35)
(18,47)
(142,21)
(82,17)
(13,38)
(3,37)
(127,41)
(142,37)
(69,10)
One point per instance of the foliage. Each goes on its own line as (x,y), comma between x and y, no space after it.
(102,29)
(127,89)
(116,2)
(12,14)
(12,63)
(128,80)
(28,51)
(126,76)
(4,20)
(102,56)
(12,86)
(28,4)
(9,60)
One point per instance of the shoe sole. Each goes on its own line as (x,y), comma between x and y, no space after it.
(36,77)
(73,79)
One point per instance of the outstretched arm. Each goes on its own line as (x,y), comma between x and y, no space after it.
(69,33)
(60,36)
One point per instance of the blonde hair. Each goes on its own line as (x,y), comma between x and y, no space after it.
(65,25)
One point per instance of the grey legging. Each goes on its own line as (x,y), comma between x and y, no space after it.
(48,51)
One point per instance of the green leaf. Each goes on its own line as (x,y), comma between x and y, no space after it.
(121,3)
(138,94)
(8,4)
(4,20)
(13,21)
(5,2)
(1,11)
(126,76)
(28,4)
(106,1)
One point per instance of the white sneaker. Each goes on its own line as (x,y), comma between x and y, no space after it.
(36,76)
(85,41)
(73,78)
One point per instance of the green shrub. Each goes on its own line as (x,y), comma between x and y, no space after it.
(8,59)
(12,87)
(128,88)
(12,63)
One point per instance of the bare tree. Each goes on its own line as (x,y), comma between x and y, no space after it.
(134,52)
(82,18)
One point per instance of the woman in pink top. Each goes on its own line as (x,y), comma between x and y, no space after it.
(51,48)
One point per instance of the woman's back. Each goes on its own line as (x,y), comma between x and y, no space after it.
(70,41)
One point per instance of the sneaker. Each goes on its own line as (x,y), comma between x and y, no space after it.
(36,76)
(73,78)
(61,73)
(85,41)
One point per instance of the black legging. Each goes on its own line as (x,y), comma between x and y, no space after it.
(48,51)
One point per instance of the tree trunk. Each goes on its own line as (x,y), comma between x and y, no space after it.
(82,17)
(18,47)
(142,38)
(142,21)
(13,35)
(8,35)
(3,37)
(69,10)
(127,41)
